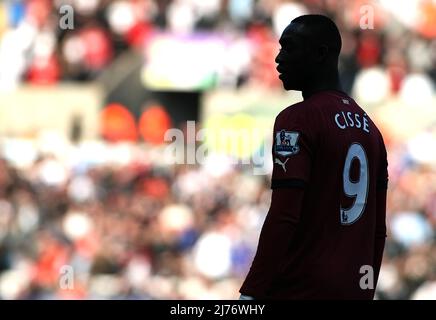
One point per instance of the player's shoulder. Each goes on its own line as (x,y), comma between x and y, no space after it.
(310,105)
(295,110)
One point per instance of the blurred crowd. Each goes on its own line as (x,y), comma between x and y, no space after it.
(139,229)
(393,41)
(119,223)
(126,228)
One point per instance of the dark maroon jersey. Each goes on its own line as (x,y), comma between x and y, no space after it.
(329,147)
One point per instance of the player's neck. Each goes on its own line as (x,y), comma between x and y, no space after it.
(322,84)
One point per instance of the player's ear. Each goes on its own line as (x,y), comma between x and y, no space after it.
(322,53)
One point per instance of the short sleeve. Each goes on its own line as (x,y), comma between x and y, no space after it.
(291,151)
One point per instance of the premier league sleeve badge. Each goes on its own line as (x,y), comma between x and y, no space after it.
(286,143)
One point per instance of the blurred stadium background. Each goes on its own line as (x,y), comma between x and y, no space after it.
(83,178)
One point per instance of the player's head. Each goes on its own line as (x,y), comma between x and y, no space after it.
(282,136)
(310,46)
